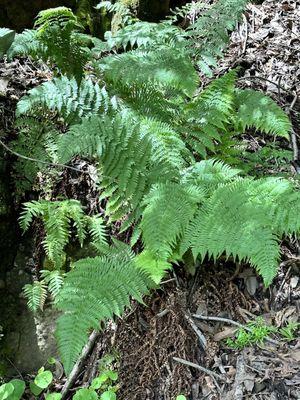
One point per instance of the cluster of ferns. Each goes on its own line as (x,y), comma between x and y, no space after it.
(168,156)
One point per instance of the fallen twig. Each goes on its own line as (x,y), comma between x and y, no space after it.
(239,378)
(57,165)
(200,335)
(76,369)
(205,370)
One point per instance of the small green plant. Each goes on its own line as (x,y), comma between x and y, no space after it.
(103,387)
(181,397)
(12,390)
(288,332)
(41,382)
(255,332)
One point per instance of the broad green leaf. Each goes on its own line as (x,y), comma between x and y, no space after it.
(36,390)
(113,375)
(180,397)
(98,382)
(108,395)
(43,379)
(7,37)
(85,394)
(53,396)
(19,388)
(6,390)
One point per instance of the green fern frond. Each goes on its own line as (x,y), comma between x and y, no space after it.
(209,114)
(54,16)
(96,289)
(67,98)
(144,35)
(57,218)
(209,34)
(26,43)
(97,231)
(156,268)
(255,110)
(239,219)
(131,155)
(36,295)
(54,281)
(169,208)
(35,140)
(209,173)
(169,69)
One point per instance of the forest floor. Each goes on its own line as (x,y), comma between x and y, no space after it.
(150,339)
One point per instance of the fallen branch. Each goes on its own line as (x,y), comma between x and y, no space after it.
(205,370)
(201,337)
(76,369)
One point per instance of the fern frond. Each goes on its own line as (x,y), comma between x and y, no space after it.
(209,174)
(169,208)
(70,100)
(36,295)
(239,219)
(54,16)
(209,34)
(131,155)
(26,43)
(144,35)
(54,281)
(34,140)
(96,289)
(156,268)
(209,114)
(97,231)
(57,217)
(255,110)
(169,69)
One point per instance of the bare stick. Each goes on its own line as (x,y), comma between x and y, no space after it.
(239,378)
(40,161)
(231,322)
(202,340)
(205,370)
(76,369)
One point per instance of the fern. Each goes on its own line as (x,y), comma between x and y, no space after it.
(147,125)
(96,289)
(261,112)
(65,96)
(244,218)
(131,156)
(36,295)
(35,140)
(54,281)
(209,34)
(168,69)
(169,208)
(57,217)
(26,43)
(55,40)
